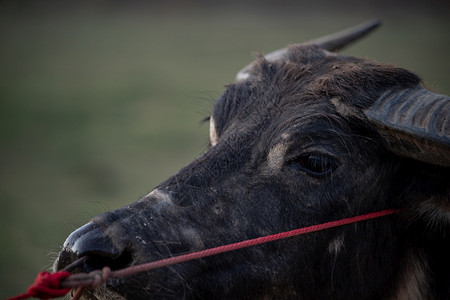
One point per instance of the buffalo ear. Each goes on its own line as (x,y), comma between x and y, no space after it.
(414,123)
(434,211)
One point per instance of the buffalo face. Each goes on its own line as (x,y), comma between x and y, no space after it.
(293,144)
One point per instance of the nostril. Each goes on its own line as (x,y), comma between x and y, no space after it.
(100,250)
(90,239)
(96,261)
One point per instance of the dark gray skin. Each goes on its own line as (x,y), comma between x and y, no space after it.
(289,148)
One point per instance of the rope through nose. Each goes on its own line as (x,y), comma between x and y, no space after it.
(98,277)
(55,284)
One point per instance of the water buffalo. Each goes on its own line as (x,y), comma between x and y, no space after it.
(304,136)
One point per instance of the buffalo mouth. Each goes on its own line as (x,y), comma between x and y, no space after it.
(142,285)
(100,293)
(95,262)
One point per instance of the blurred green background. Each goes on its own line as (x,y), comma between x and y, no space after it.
(100,101)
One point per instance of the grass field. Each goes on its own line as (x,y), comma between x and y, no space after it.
(98,106)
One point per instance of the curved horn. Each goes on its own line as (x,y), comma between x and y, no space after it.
(345,37)
(331,42)
(414,123)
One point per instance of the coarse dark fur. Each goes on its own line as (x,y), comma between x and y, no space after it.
(286,156)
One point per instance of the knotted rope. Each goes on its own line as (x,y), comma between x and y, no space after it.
(49,285)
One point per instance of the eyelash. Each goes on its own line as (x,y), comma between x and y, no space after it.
(313,163)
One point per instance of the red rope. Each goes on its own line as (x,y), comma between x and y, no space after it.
(48,285)
(245,244)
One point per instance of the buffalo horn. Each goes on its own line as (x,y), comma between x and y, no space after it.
(414,123)
(345,37)
(331,42)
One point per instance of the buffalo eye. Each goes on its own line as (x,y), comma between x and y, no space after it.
(313,164)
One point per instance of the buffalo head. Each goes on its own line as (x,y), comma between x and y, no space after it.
(303,137)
